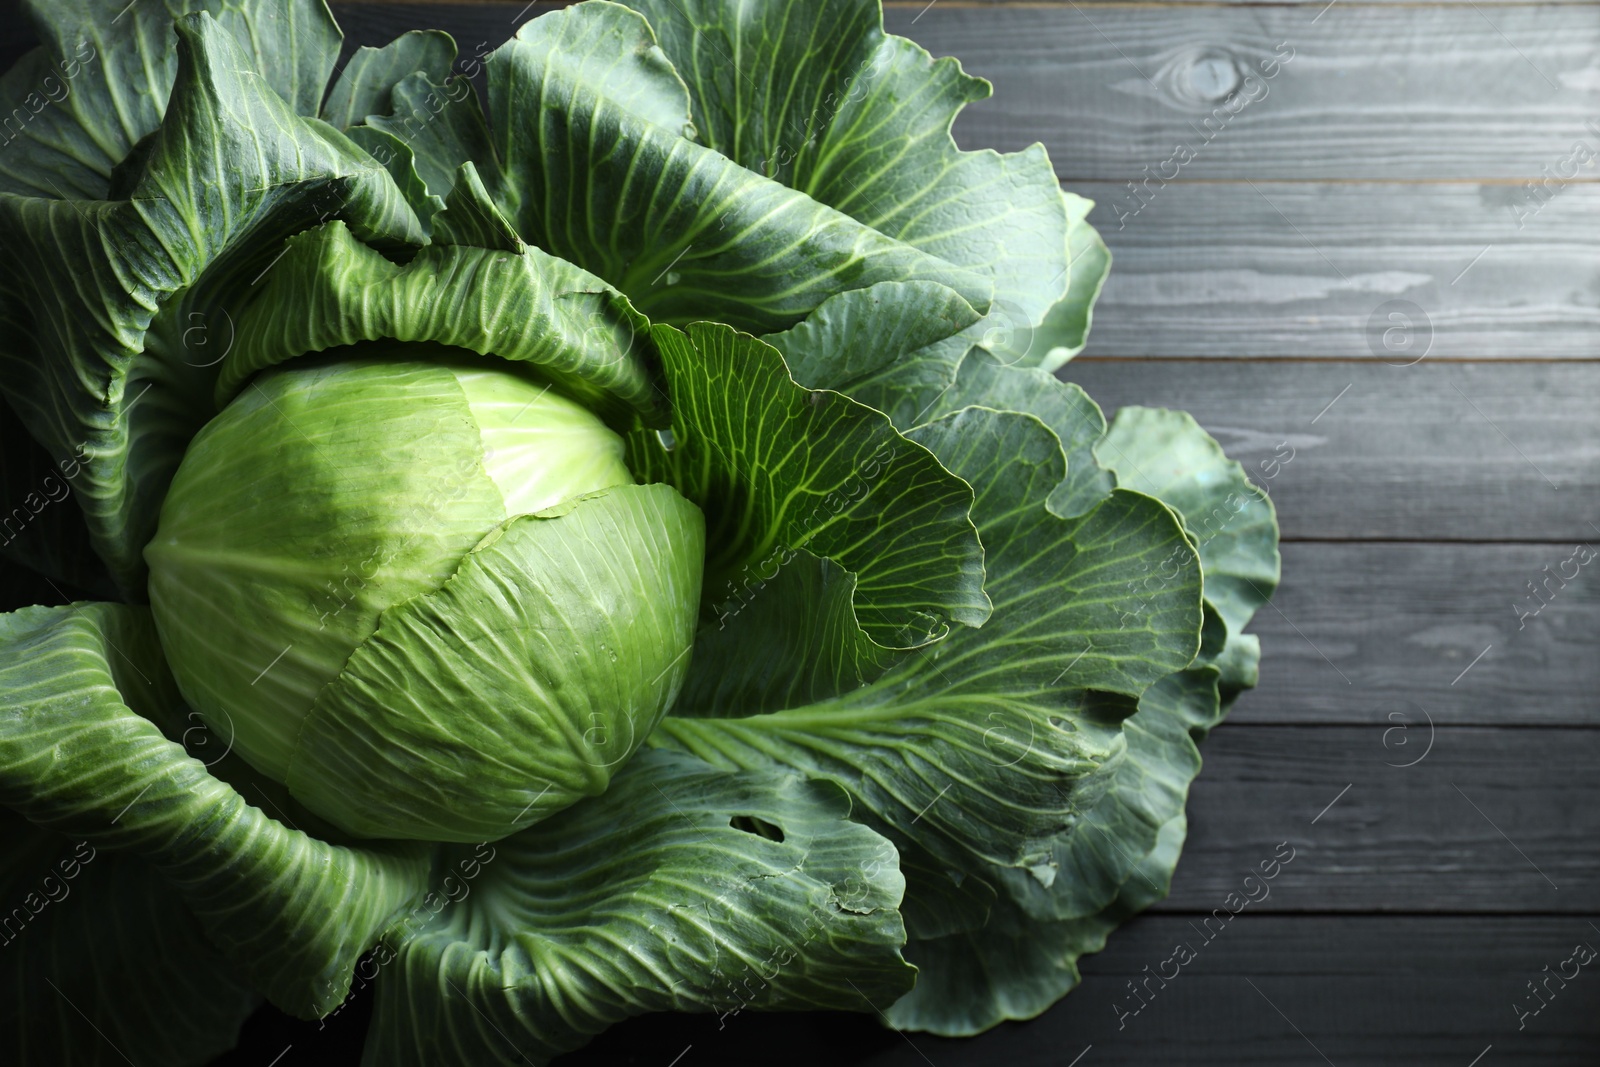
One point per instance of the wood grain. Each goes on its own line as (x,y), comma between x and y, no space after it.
(1358,991)
(1282,991)
(1372,92)
(1365,991)
(1438,451)
(1313,269)
(1400,838)
(1360,631)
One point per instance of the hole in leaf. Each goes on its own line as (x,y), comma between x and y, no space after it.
(760,827)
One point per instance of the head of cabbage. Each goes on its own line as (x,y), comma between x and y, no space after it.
(417,555)
(426,595)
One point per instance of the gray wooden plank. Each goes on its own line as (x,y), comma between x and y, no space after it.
(1358,631)
(1381,990)
(1375,92)
(1378,92)
(1491,819)
(1437,451)
(1316,269)
(1428,991)
(1310,990)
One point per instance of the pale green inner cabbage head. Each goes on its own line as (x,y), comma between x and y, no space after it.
(329,491)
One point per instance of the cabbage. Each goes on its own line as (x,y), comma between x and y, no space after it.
(427,597)
(625,549)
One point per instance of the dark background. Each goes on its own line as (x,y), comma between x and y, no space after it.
(1437,463)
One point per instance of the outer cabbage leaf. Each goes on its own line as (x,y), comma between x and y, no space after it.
(590,121)
(1000,962)
(800,609)
(99,81)
(1011,967)
(781,468)
(470,217)
(47,150)
(1065,329)
(441,122)
(100,938)
(1008,958)
(423,123)
(527,307)
(1066,409)
(982,749)
(366,85)
(101,299)
(821,99)
(1167,454)
(682,888)
(291,912)
(43,526)
(1061,878)
(860,331)
(396,157)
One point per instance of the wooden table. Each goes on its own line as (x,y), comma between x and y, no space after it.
(1351,275)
